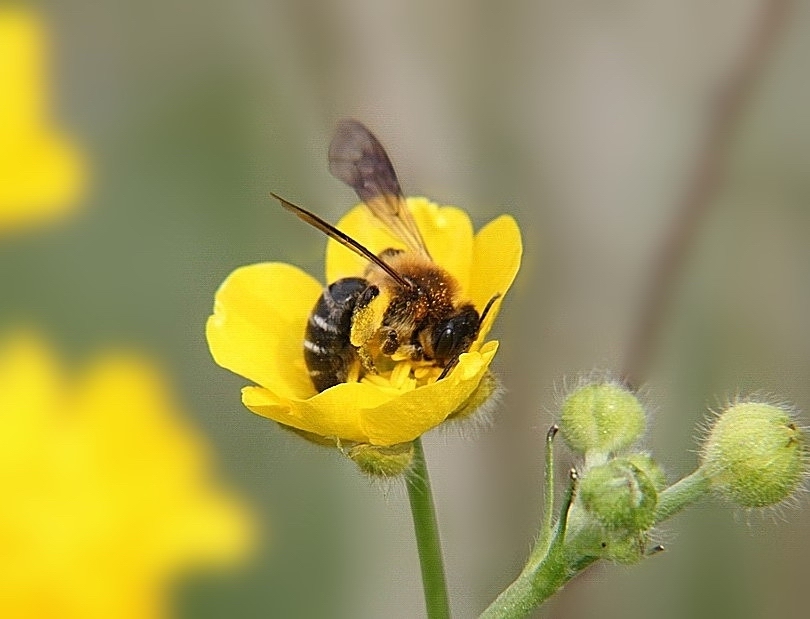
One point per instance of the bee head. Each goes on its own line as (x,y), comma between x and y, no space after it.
(455,335)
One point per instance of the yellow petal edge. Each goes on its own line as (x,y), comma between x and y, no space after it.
(369,414)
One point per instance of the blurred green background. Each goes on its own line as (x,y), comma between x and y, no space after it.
(581,119)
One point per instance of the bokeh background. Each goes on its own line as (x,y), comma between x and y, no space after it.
(584,121)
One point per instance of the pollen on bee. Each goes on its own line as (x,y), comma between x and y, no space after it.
(363,327)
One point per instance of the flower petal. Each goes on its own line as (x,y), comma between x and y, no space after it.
(364,228)
(497,250)
(447,232)
(43,172)
(366,413)
(335,412)
(109,495)
(257,329)
(415,412)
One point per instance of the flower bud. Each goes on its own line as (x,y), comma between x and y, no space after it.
(591,539)
(382,461)
(645,462)
(619,495)
(601,418)
(625,549)
(755,455)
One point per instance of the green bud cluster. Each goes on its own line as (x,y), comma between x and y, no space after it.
(755,455)
(618,490)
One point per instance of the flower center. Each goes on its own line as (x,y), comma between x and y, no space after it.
(403,376)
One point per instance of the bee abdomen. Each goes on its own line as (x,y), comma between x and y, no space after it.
(328,352)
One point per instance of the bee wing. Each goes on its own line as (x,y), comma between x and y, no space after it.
(358,159)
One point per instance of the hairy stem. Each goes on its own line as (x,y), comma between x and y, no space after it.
(548,495)
(544,574)
(681,494)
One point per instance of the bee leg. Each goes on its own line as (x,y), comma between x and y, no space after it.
(417,352)
(390,341)
(366,360)
(363,327)
(366,297)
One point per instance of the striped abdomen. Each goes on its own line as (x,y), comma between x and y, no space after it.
(328,352)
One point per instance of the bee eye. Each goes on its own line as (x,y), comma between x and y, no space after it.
(455,335)
(445,344)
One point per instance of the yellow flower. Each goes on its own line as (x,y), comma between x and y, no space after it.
(261,312)
(107,494)
(41,171)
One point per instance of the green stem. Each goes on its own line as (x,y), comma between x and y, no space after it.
(427,536)
(552,564)
(681,494)
(542,576)
(531,588)
(548,496)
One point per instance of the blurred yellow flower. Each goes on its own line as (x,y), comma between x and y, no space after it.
(261,312)
(41,171)
(107,495)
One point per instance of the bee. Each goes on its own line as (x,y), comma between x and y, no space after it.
(424,319)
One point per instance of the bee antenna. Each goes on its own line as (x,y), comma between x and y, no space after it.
(449,367)
(344,239)
(494,298)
